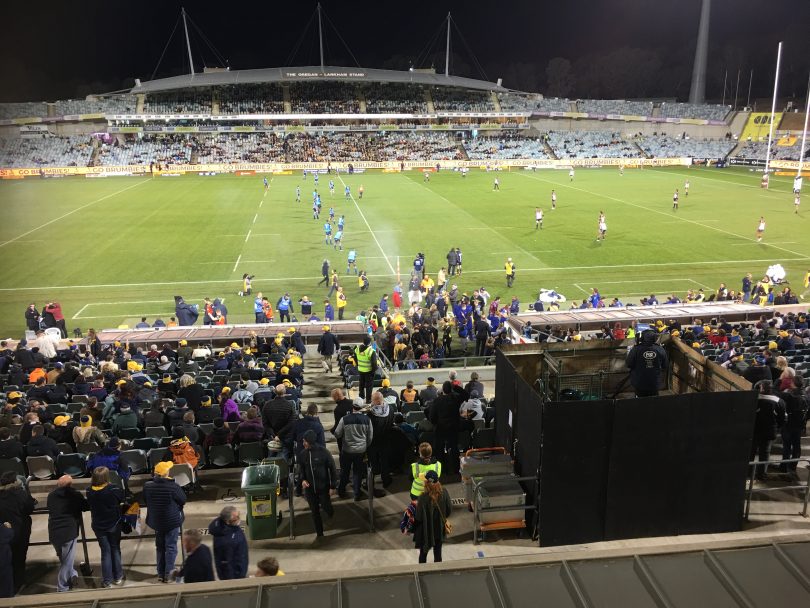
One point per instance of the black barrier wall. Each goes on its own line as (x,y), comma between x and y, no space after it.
(631,468)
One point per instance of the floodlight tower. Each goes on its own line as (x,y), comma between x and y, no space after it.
(697,93)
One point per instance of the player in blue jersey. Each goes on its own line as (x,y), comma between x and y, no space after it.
(331,214)
(347,191)
(338,239)
(331,188)
(316,178)
(266,184)
(316,212)
(341,222)
(327,231)
(351,261)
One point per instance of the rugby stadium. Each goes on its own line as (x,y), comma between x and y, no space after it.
(222,291)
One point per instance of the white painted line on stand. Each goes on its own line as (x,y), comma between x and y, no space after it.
(76,210)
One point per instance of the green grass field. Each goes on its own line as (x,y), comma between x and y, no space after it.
(113,250)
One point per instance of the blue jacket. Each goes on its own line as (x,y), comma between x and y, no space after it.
(198,567)
(309,423)
(164,503)
(109,458)
(230,550)
(105,507)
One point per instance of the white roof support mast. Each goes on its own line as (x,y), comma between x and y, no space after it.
(188,42)
(447,52)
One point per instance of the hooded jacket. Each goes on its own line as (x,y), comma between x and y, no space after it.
(16,506)
(318,469)
(355,432)
(230,550)
(248,431)
(382,419)
(110,458)
(105,506)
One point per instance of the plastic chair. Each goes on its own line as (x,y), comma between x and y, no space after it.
(183,475)
(206,427)
(414,417)
(155,455)
(483,438)
(157,432)
(74,465)
(12,464)
(251,452)
(221,455)
(130,433)
(145,443)
(116,480)
(41,467)
(136,460)
(65,448)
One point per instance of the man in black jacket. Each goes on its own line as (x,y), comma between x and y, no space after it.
(318,479)
(770,416)
(65,506)
(646,361)
(327,346)
(278,417)
(16,506)
(382,419)
(40,445)
(10,447)
(343,406)
(443,413)
(199,567)
(164,501)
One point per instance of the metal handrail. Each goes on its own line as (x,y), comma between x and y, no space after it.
(476,499)
(766,463)
(370,488)
(462,362)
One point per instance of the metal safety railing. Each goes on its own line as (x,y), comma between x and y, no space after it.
(478,509)
(750,489)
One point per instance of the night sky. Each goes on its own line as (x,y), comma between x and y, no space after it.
(616,48)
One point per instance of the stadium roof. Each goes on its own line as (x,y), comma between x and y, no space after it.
(310,73)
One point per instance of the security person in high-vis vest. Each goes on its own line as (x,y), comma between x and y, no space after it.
(420,468)
(366,365)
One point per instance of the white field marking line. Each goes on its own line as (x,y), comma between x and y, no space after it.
(666,214)
(645,281)
(76,210)
(236,263)
(544,269)
(247,236)
(374,236)
(81,310)
(255,217)
(587,293)
(163,301)
(699,284)
(714,179)
(485,227)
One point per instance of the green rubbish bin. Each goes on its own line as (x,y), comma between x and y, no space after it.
(260,483)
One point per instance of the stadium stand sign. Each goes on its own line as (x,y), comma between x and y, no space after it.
(344,166)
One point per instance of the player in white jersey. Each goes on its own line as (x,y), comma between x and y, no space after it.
(298,194)
(496,185)
(571,175)
(602,227)
(621,169)
(760,228)
(553,200)
(686,188)
(538,218)
(675,198)
(797,200)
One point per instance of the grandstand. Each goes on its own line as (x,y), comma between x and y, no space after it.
(615,107)
(591,144)
(662,146)
(697,111)
(72,151)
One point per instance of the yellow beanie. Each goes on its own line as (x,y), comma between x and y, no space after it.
(162,468)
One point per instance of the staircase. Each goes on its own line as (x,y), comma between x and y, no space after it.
(361,100)
(495,101)
(549,150)
(641,151)
(429,101)
(141,99)
(285,95)
(317,388)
